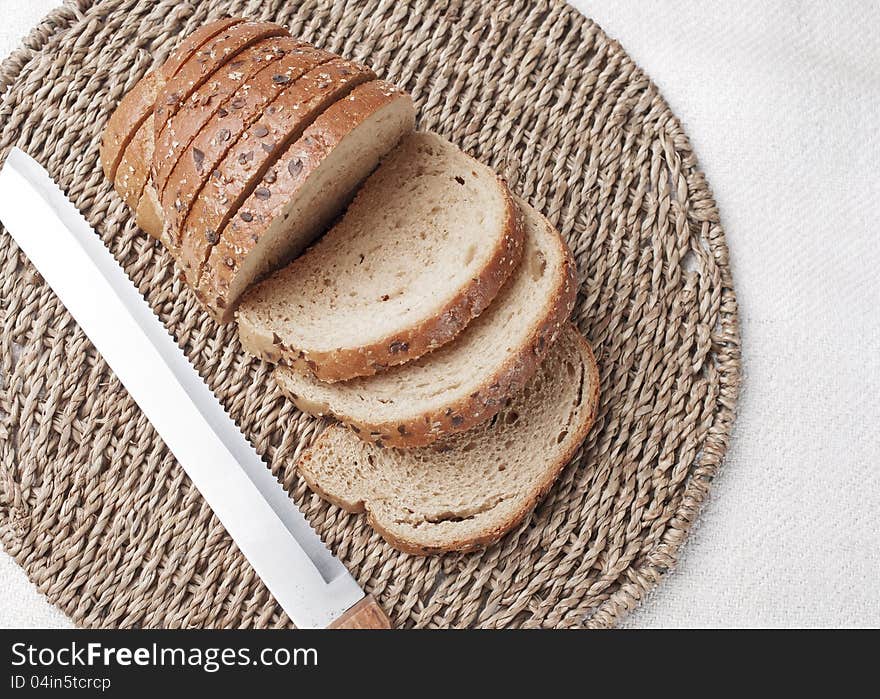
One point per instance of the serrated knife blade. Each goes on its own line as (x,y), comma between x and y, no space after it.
(309,583)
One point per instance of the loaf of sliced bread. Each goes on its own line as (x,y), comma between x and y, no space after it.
(139,102)
(207,150)
(195,113)
(425,246)
(466,381)
(242,168)
(468,490)
(303,191)
(201,65)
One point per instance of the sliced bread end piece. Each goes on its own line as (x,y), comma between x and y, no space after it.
(308,186)
(469,490)
(466,381)
(427,243)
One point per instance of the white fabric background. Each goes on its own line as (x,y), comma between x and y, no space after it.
(782,103)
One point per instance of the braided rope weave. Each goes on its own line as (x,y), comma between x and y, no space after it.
(106,523)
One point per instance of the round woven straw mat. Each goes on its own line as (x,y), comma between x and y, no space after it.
(106,523)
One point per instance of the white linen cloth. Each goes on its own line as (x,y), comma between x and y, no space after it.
(782,104)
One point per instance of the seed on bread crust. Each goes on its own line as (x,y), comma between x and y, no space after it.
(398,346)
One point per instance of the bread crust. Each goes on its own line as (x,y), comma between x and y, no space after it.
(345,363)
(198,109)
(138,103)
(489,398)
(493,534)
(203,63)
(241,170)
(240,236)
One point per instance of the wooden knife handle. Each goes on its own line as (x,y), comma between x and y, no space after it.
(366,614)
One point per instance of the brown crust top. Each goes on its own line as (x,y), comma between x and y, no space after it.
(492,535)
(203,63)
(213,142)
(198,109)
(242,168)
(489,398)
(346,363)
(287,175)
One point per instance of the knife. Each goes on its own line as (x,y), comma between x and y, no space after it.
(309,583)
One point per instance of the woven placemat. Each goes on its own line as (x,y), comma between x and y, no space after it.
(106,523)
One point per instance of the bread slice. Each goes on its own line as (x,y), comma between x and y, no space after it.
(470,489)
(197,110)
(139,102)
(466,381)
(125,122)
(133,181)
(241,170)
(424,247)
(202,64)
(304,190)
